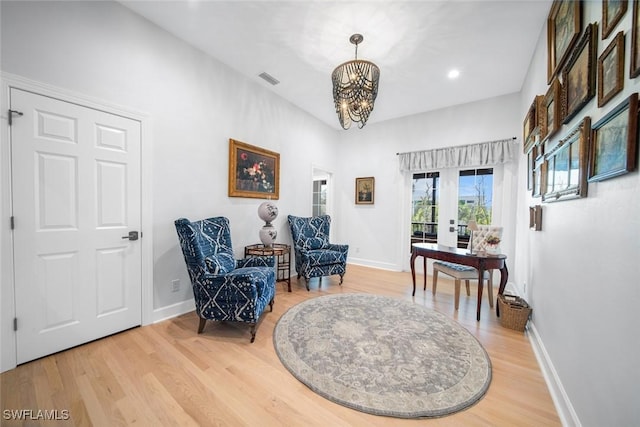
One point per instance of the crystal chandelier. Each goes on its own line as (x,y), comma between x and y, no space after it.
(355,87)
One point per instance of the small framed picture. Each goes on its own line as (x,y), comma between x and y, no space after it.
(614,142)
(365,190)
(532,124)
(566,165)
(611,70)
(612,13)
(551,110)
(563,30)
(579,75)
(535,217)
(634,68)
(539,176)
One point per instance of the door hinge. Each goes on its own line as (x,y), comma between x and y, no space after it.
(13,223)
(15,323)
(10,115)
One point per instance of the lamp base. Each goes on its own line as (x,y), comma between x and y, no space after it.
(268,234)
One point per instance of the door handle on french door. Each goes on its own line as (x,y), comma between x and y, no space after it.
(133,235)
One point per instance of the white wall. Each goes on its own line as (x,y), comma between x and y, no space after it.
(194,103)
(381,231)
(580,271)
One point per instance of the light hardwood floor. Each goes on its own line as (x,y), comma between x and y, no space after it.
(166,374)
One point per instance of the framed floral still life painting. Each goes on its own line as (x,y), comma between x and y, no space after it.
(563,30)
(253,171)
(579,75)
(614,142)
(611,70)
(365,190)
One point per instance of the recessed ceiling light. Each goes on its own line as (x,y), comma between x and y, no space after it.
(453,74)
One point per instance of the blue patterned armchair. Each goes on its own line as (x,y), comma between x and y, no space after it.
(224,289)
(315,256)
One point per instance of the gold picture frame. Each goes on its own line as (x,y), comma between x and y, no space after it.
(564,24)
(611,70)
(579,74)
(552,109)
(566,165)
(535,217)
(532,124)
(612,13)
(253,171)
(365,190)
(614,142)
(634,62)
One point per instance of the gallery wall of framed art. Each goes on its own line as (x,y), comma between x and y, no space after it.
(583,129)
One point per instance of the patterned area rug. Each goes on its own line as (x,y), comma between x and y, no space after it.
(382,356)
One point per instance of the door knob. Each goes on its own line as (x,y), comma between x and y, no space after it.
(133,235)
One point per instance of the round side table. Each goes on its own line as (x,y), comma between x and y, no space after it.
(282,252)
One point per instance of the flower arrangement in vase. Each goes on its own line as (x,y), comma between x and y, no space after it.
(492,244)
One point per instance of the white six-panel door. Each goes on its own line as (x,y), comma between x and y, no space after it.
(76,195)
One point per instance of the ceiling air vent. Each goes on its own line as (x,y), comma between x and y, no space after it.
(269,78)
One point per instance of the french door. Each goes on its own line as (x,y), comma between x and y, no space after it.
(444,201)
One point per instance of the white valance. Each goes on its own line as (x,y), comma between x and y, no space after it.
(482,154)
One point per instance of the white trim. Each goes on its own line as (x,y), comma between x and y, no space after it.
(7,295)
(567,414)
(7,298)
(373,264)
(173,310)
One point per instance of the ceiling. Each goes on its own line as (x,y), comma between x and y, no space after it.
(415,44)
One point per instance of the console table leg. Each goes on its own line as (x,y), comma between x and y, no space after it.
(480,286)
(424,271)
(504,275)
(413,272)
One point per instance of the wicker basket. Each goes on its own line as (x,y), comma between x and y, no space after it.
(514,312)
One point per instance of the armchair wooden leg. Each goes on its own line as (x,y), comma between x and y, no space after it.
(271,304)
(201,325)
(253,332)
(306,282)
(466,282)
(341,279)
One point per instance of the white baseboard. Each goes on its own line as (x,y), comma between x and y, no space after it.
(373,264)
(567,414)
(173,310)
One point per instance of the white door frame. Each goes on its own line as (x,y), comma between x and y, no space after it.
(7,293)
(320,172)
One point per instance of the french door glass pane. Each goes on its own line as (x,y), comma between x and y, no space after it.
(424,207)
(475,200)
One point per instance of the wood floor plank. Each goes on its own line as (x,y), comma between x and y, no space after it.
(166,374)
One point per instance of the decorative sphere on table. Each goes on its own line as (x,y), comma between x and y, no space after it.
(268,211)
